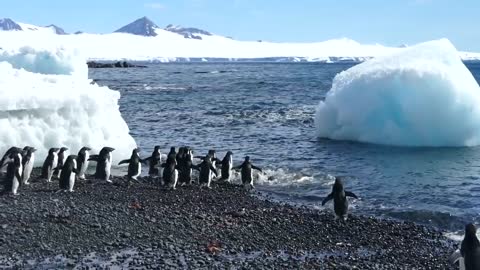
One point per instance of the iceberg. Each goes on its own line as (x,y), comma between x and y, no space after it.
(420,96)
(47,100)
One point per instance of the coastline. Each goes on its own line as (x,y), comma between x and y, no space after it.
(104,225)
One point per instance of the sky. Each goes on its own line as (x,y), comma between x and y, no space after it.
(388,22)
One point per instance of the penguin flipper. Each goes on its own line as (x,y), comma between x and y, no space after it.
(125,161)
(94,158)
(257,168)
(214,170)
(350,194)
(455,256)
(328,198)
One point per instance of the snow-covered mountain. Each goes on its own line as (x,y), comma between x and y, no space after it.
(7,24)
(143,40)
(188,32)
(57,30)
(141,27)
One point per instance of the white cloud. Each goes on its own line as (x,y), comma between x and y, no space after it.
(154,5)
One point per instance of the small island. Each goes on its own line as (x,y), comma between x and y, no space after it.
(118,64)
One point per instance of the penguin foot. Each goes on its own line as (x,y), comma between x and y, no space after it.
(109,181)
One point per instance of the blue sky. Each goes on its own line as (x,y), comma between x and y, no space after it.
(389,22)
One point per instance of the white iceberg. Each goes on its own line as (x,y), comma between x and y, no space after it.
(46,100)
(420,96)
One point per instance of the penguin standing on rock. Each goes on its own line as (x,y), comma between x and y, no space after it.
(468,256)
(227,166)
(339,196)
(27,162)
(61,160)
(68,173)
(82,161)
(50,164)
(134,165)
(154,161)
(172,154)
(104,163)
(246,172)
(14,172)
(206,169)
(170,173)
(185,174)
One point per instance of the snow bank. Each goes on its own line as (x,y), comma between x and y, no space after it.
(421,96)
(46,100)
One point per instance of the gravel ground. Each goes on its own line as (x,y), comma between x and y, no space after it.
(115,226)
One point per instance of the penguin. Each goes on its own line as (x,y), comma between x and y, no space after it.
(27,162)
(227,166)
(50,164)
(14,172)
(7,156)
(213,160)
(246,172)
(82,161)
(339,196)
(185,173)
(154,161)
(61,160)
(68,173)
(206,169)
(170,173)
(104,163)
(134,165)
(468,256)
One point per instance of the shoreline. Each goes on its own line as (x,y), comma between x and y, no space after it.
(119,226)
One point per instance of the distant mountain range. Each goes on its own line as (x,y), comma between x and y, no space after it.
(140,27)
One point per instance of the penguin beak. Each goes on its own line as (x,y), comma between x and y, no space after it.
(33,149)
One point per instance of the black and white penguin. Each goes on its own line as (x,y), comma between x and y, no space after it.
(227,166)
(14,172)
(61,160)
(68,173)
(207,170)
(339,196)
(50,164)
(7,156)
(134,165)
(185,173)
(82,161)
(468,256)
(170,173)
(154,162)
(246,172)
(27,162)
(104,163)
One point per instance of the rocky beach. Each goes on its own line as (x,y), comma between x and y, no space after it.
(142,225)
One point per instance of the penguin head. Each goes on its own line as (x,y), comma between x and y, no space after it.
(211,153)
(63,149)
(135,152)
(470,230)
(247,158)
(26,148)
(338,185)
(229,153)
(108,149)
(53,150)
(86,148)
(172,149)
(157,148)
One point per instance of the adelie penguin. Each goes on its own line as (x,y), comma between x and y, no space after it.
(227,166)
(185,173)
(170,173)
(134,166)
(206,169)
(14,172)
(50,164)
(61,160)
(339,196)
(82,161)
(104,163)
(154,162)
(247,173)
(27,162)
(68,174)
(468,257)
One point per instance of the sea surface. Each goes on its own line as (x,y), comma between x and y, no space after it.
(266,111)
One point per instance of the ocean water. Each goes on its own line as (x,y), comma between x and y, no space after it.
(266,110)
